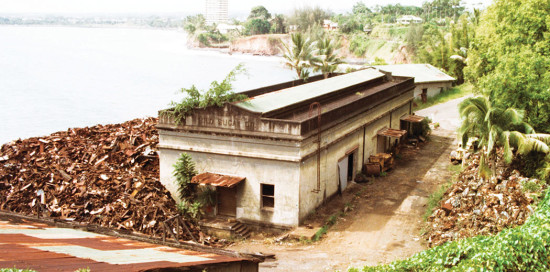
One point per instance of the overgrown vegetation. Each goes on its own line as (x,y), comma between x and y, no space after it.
(434,199)
(510,60)
(193,198)
(184,171)
(217,95)
(524,248)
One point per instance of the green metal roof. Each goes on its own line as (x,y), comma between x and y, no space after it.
(286,97)
(422,73)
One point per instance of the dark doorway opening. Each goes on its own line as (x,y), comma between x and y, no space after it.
(350,166)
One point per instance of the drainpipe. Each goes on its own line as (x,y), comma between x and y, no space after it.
(318,189)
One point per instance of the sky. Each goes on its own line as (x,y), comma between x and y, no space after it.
(190,6)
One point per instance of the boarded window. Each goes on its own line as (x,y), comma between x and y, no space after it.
(268,196)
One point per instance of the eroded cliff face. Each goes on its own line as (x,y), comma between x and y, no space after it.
(268,45)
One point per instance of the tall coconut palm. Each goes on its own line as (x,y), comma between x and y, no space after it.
(497,127)
(299,54)
(327,60)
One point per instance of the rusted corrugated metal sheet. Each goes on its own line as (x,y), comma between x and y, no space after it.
(413,118)
(391,132)
(217,180)
(42,248)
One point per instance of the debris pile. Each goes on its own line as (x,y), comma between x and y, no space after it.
(473,206)
(106,175)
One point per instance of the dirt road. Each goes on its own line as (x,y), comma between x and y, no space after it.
(385,220)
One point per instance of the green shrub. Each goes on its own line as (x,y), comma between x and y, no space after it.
(184,171)
(218,94)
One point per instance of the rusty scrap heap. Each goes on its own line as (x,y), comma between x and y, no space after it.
(106,175)
(473,206)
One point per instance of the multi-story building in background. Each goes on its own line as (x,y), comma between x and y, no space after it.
(216,11)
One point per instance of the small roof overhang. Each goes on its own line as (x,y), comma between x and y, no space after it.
(412,118)
(217,180)
(391,132)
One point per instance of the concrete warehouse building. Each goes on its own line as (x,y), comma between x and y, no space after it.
(281,154)
(428,79)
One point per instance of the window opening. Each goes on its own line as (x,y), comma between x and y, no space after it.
(268,195)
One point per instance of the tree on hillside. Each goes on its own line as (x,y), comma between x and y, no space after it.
(278,24)
(498,127)
(193,23)
(308,17)
(360,8)
(327,59)
(440,9)
(510,58)
(446,49)
(258,21)
(259,12)
(299,54)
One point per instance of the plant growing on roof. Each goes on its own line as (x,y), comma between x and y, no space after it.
(218,94)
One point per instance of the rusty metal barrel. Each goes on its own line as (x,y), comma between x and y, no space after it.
(373,169)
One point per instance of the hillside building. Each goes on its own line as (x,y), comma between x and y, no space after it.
(428,79)
(276,157)
(409,19)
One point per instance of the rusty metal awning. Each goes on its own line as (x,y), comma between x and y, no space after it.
(412,118)
(217,180)
(391,132)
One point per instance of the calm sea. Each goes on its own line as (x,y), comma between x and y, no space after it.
(54,78)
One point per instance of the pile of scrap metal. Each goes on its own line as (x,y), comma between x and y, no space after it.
(105,175)
(474,206)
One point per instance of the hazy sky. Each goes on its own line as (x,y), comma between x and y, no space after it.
(188,6)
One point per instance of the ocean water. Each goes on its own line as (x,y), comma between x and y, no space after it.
(55,78)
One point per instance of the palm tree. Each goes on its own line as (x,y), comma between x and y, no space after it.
(299,56)
(327,57)
(497,127)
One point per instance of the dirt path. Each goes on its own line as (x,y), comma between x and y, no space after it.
(385,220)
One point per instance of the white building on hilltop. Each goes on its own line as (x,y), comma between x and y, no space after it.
(408,19)
(216,11)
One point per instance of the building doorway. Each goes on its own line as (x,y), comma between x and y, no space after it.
(346,170)
(227,201)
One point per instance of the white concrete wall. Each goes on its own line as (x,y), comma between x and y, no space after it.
(433,88)
(205,153)
(309,200)
(289,165)
(336,142)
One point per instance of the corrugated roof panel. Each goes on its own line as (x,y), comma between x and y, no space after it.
(413,118)
(286,97)
(391,132)
(422,73)
(217,180)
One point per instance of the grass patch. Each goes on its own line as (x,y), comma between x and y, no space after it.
(523,248)
(453,93)
(333,219)
(433,199)
(15,270)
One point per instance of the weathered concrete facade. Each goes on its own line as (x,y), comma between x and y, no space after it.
(272,140)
